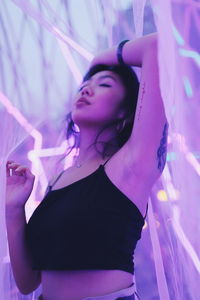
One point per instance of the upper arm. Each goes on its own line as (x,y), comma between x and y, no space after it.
(147,145)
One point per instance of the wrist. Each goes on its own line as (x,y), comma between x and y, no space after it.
(119,52)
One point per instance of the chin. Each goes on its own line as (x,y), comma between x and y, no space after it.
(81,117)
(78,117)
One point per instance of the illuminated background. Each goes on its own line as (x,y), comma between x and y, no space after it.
(45,49)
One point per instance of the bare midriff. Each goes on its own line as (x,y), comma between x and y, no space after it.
(79,284)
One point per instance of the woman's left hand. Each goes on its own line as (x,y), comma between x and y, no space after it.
(133,52)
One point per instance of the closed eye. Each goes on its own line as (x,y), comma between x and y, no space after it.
(105,84)
(101,84)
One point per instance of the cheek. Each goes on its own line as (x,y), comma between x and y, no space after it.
(106,104)
(105,112)
(110,103)
(110,99)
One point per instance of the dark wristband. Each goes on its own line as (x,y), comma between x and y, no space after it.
(119,52)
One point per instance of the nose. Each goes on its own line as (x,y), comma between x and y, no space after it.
(87,90)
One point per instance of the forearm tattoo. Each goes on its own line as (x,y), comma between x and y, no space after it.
(162,150)
(141,100)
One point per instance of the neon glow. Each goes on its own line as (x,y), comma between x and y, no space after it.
(190,54)
(188,87)
(46,48)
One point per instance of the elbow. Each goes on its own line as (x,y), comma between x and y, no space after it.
(25,292)
(26,288)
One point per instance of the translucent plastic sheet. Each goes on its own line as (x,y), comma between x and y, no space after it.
(36,93)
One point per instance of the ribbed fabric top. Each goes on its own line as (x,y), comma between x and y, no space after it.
(89,224)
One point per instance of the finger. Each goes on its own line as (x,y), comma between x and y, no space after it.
(10,170)
(23,170)
(20,169)
(12,167)
(13,164)
(10,161)
(9,166)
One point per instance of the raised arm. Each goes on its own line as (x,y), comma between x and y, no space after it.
(147,145)
(133,52)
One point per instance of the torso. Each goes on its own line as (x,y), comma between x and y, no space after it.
(76,285)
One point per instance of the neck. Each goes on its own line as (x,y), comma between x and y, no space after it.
(87,151)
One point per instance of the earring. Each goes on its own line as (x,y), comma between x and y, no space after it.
(120,126)
(123,124)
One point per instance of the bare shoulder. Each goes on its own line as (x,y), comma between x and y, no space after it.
(120,170)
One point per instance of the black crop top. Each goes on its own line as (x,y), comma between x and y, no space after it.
(89,224)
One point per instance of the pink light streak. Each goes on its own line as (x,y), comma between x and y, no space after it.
(33,13)
(189,155)
(21,120)
(184,240)
(50,151)
(63,37)
(18,116)
(163,289)
(69,59)
(174,195)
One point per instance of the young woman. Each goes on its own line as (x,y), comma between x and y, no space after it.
(79,242)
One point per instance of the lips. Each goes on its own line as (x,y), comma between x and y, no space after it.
(83,100)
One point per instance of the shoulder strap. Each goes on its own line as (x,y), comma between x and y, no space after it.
(146,211)
(54,182)
(147,203)
(106,161)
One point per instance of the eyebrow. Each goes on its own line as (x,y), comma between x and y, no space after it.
(109,76)
(102,77)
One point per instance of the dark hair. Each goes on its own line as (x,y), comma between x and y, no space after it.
(131,83)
